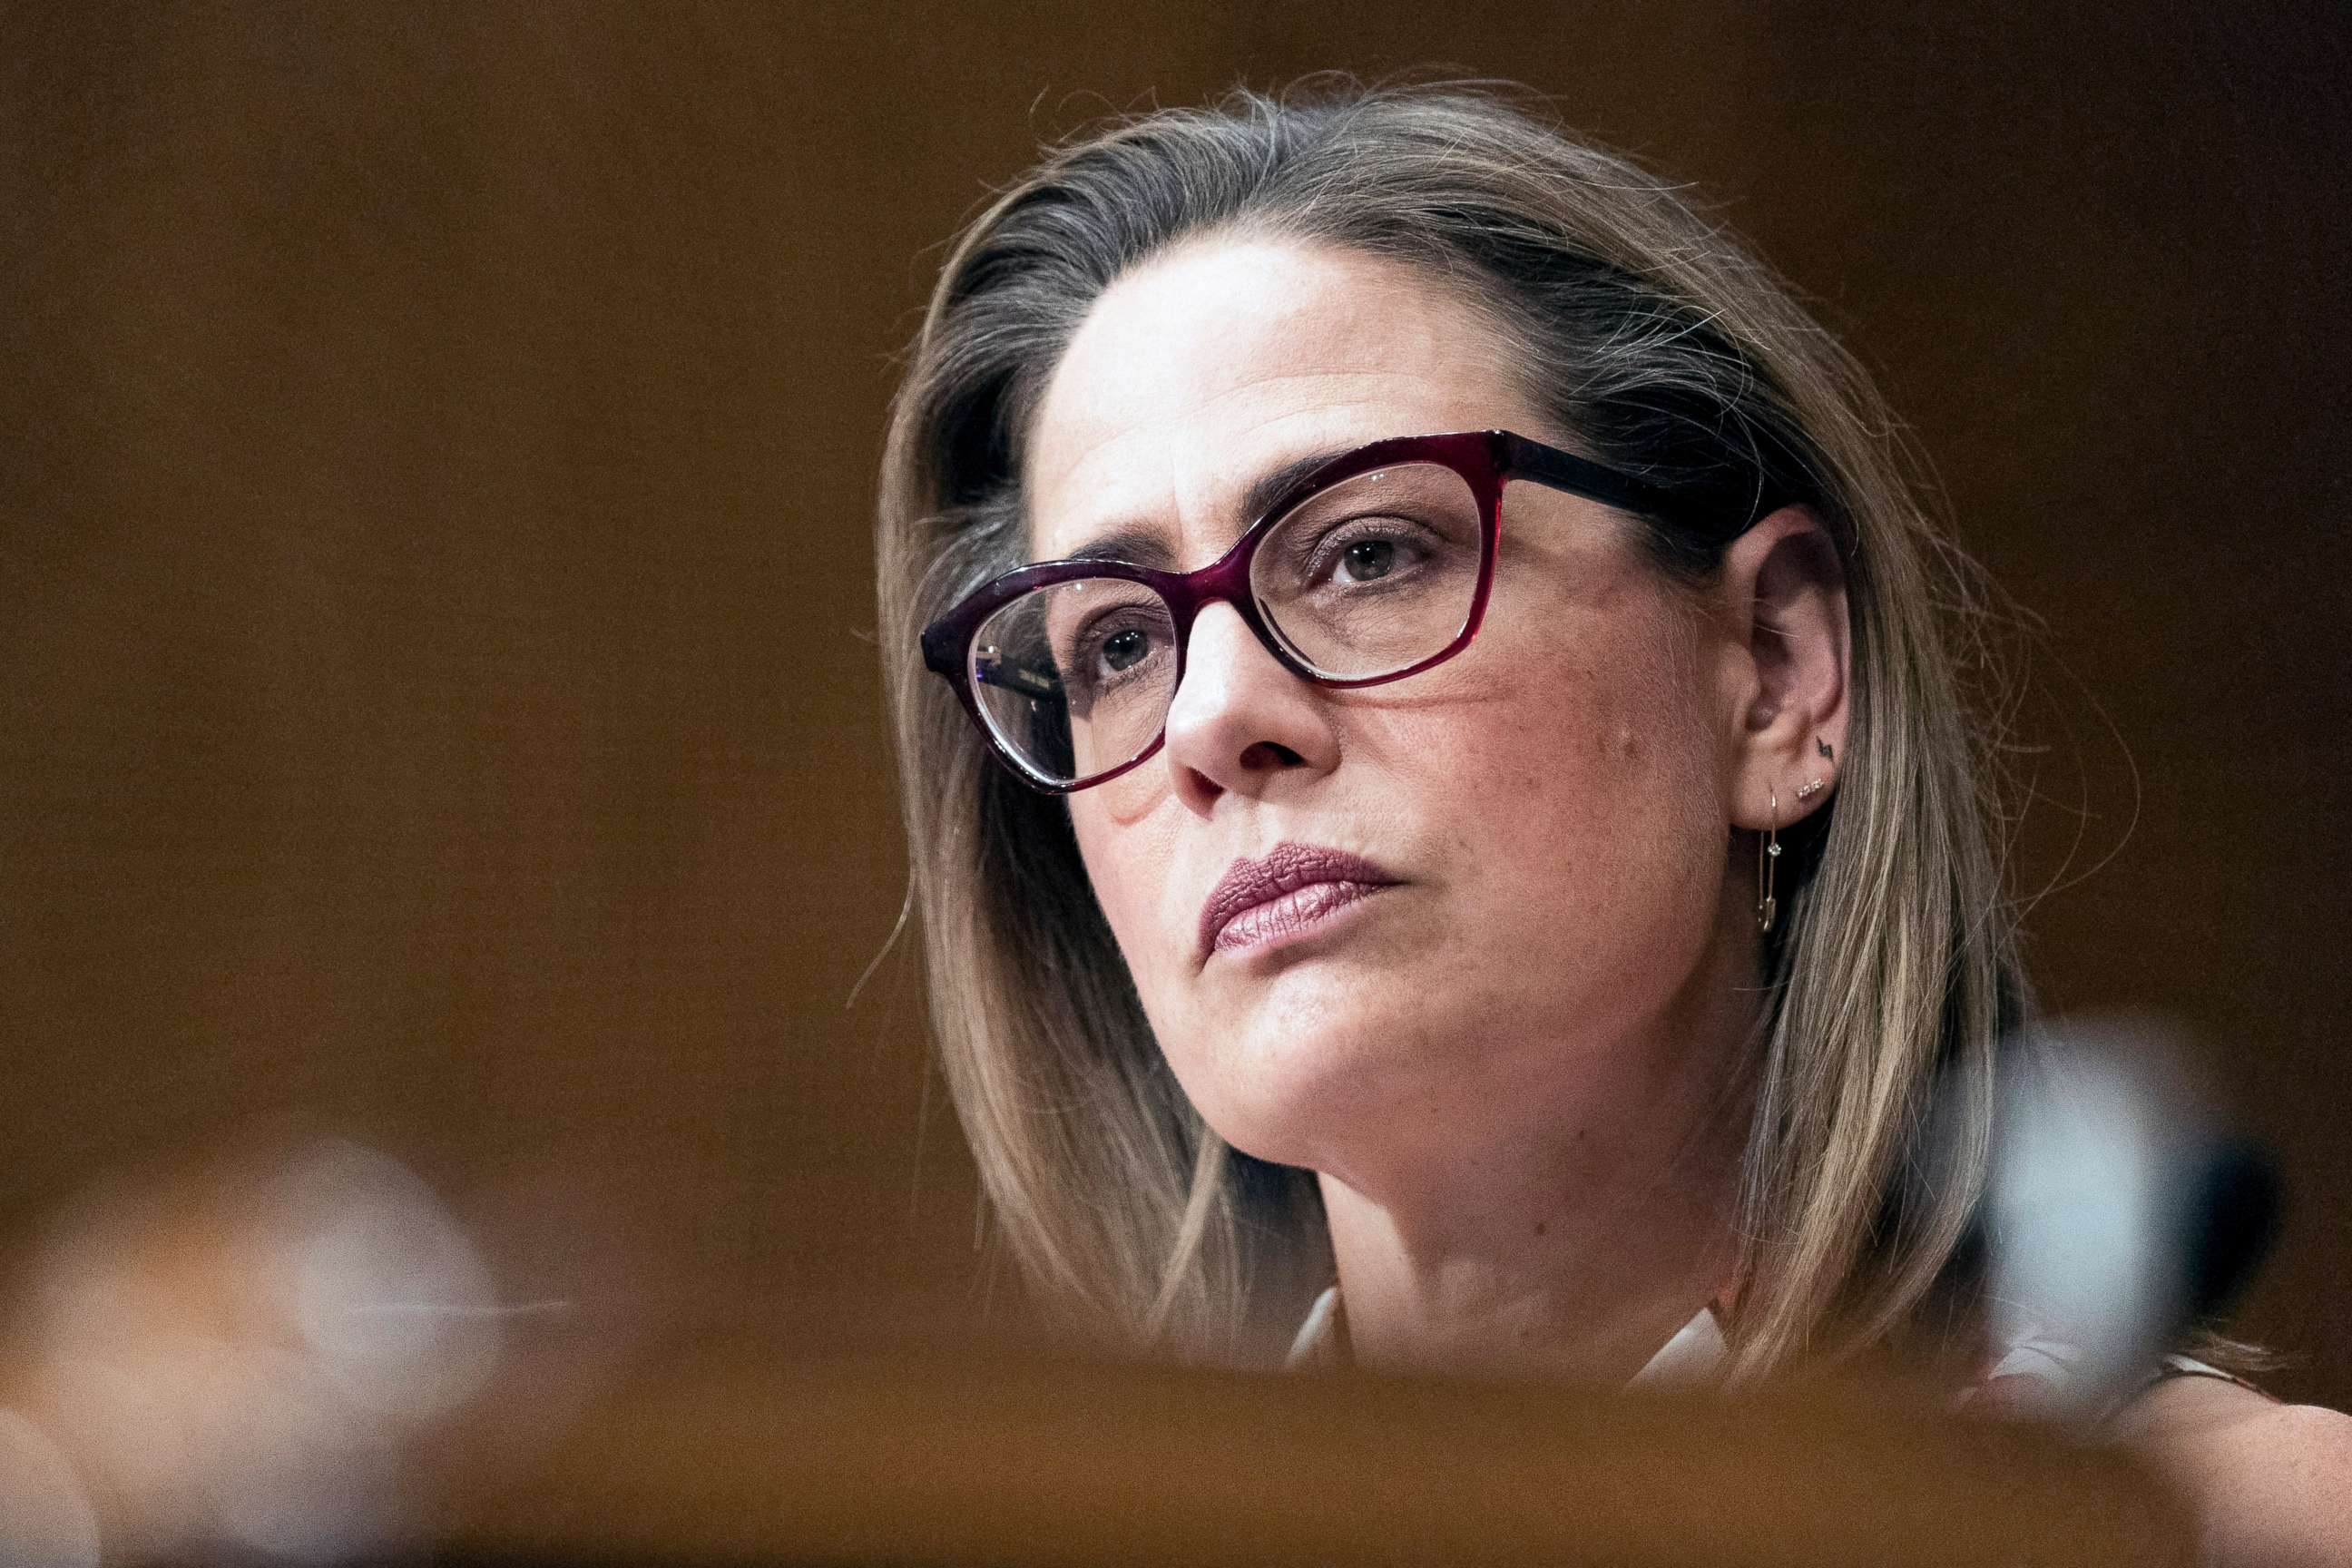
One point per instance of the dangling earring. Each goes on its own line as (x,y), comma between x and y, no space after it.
(1767,853)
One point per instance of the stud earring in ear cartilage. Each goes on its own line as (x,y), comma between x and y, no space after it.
(1767,853)
(1810,787)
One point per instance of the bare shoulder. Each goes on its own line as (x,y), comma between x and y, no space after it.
(2271,1483)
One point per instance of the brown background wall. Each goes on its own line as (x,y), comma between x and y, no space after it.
(437,699)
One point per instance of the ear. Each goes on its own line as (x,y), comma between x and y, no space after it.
(1782,591)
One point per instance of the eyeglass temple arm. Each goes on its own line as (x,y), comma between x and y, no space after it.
(940,656)
(992,669)
(1577,476)
(988,667)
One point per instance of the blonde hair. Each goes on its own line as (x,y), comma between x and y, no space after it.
(1672,355)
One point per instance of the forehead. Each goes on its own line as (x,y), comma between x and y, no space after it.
(1206,369)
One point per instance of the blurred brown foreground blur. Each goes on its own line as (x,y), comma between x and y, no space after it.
(315,1360)
(938,1461)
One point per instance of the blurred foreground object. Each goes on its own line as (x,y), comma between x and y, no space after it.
(310,1358)
(2116,1217)
(262,1361)
(925,1460)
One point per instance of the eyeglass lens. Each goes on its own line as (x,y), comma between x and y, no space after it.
(1364,578)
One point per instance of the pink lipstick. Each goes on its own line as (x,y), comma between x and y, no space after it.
(1293,887)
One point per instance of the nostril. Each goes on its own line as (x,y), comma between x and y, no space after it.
(1270,754)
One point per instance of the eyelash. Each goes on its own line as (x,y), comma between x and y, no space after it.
(1384,527)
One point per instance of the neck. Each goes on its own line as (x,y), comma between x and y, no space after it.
(1569,1243)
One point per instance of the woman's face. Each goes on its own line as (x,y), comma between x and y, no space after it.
(1559,932)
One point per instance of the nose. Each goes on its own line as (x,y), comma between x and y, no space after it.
(1239,721)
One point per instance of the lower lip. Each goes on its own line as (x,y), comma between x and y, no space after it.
(1293,915)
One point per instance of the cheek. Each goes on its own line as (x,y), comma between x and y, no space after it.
(1596,729)
(1585,790)
(1593,704)
(1126,863)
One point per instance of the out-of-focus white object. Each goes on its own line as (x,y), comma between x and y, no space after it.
(2114,1216)
(395,1303)
(242,1368)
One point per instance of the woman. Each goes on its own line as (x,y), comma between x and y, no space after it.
(1448,790)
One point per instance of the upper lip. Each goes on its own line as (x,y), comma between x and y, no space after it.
(1285,868)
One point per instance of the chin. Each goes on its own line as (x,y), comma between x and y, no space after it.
(1281,1090)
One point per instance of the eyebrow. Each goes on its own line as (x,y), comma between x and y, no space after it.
(1141,544)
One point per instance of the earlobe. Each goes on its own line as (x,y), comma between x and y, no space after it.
(1784,584)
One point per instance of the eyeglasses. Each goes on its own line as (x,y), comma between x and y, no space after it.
(1373,565)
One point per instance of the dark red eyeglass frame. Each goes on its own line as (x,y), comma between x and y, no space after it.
(1484,459)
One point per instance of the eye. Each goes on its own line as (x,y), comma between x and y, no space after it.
(1366,559)
(1365,551)
(1113,649)
(1125,649)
